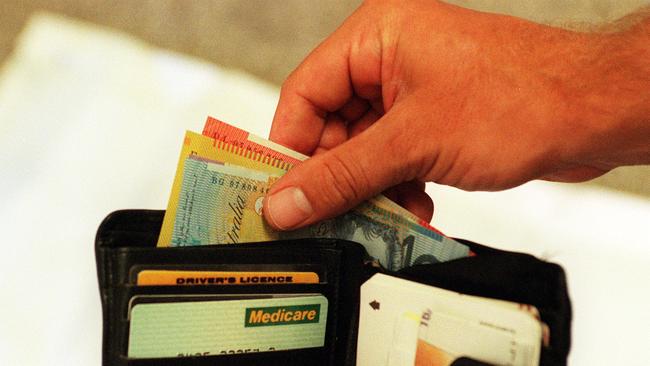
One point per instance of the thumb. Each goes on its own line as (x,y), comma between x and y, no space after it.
(332,183)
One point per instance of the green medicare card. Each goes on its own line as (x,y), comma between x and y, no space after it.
(202,328)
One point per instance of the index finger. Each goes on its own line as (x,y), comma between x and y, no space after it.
(346,63)
(320,85)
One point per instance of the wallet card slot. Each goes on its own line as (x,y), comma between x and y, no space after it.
(299,255)
(126,292)
(129,295)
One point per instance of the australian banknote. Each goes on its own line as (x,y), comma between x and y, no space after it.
(257,154)
(221,203)
(200,146)
(245,141)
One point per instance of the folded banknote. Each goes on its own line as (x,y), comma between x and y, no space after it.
(220,185)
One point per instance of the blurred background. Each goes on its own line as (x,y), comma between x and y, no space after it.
(95,97)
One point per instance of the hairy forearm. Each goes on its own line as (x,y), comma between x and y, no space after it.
(617,104)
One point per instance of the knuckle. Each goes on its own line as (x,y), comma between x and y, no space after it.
(293,82)
(287,86)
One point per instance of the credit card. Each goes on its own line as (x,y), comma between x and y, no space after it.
(203,328)
(193,278)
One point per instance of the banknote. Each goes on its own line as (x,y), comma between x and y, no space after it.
(197,145)
(236,146)
(168,328)
(223,204)
(220,204)
(224,132)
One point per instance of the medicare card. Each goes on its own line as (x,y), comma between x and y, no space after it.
(203,328)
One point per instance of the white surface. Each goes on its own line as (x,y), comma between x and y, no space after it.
(92,121)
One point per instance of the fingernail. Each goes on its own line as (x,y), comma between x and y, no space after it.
(288,208)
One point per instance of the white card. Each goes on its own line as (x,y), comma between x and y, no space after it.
(487,330)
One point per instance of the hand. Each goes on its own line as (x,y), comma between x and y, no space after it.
(424,91)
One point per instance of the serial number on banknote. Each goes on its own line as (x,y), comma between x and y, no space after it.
(236,184)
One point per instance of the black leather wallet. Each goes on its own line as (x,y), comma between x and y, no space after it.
(127,239)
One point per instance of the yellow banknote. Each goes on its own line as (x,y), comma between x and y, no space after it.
(207,148)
